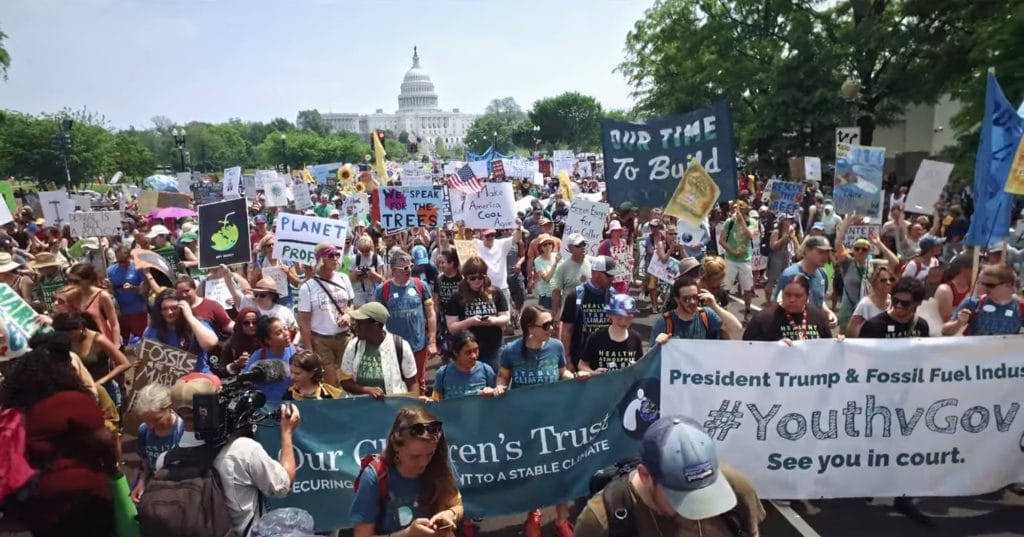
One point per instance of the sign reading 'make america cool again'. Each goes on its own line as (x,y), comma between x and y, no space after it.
(860,418)
(643,162)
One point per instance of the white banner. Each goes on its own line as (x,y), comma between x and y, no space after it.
(492,207)
(298,235)
(858,418)
(586,218)
(926,189)
(95,224)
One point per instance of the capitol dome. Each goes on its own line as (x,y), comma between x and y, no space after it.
(417,91)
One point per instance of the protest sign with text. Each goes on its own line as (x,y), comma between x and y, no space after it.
(492,207)
(846,138)
(223,233)
(643,162)
(56,207)
(857,418)
(303,198)
(158,364)
(858,185)
(95,224)
(695,196)
(232,183)
(586,218)
(406,207)
(783,197)
(297,236)
(19,319)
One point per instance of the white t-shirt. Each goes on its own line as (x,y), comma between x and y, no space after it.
(315,300)
(917,270)
(496,259)
(866,309)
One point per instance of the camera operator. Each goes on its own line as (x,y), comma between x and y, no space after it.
(246,470)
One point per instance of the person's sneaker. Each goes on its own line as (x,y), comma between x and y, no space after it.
(906,507)
(563,528)
(532,526)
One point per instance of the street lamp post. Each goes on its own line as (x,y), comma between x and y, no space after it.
(536,139)
(284,152)
(494,140)
(62,141)
(179,142)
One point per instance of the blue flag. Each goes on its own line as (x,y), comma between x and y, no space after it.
(1001,131)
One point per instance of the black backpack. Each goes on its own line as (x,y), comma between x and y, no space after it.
(186,498)
(618,500)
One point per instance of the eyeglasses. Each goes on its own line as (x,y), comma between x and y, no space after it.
(335,255)
(262,295)
(690,298)
(900,303)
(546,326)
(249,323)
(432,428)
(475,277)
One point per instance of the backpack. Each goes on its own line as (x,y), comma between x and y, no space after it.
(19,478)
(613,484)
(380,468)
(701,312)
(186,498)
(386,290)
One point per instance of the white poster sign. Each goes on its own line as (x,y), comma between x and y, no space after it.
(492,207)
(217,291)
(562,161)
(858,418)
(280,278)
(184,182)
(56,207)
(356,209)
(859,231)
(301,195)
(413,179)
(81,202)
(262,176)
(584,169)
(232,182)
(95,224)
(276,190)
(930,179)
(519,168)
(298,235)
(667,273)
(251,192)
(812,169)
(586,218)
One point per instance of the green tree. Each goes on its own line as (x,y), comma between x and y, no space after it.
(507,109)
(403,137)
(570,120)
(441,149)
(130,155)
(311,120)
(26,148)
(487,130)
(5,57)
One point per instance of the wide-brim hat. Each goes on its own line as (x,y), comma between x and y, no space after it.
(7,263)
(266,284)
(44,260)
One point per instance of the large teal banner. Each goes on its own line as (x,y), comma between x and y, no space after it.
(533,447)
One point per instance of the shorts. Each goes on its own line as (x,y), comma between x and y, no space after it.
(517,291)
(544,301)
(331,349)
(738,271)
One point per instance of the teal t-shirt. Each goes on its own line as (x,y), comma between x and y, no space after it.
(529,366)
(400,509)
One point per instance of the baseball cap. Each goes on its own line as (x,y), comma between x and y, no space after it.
(335,212)
(184,390)
(930,241)
(816,243)
(605,264)
(577,240)
(260,219)
(188,237)
(621,305)
(157,230)
(820,226)
(614,225)
(371,310)
(488,231)
(419,255)
(681,458)
(7,243)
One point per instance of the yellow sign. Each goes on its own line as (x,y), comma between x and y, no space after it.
(694,197)
(466,250)
(1015,182)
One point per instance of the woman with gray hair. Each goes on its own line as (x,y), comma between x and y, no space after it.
(160,431)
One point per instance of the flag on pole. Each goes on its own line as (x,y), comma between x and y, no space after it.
(465,181)
(379,165)
(1001,131)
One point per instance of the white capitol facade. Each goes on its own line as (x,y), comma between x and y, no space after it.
(417,114)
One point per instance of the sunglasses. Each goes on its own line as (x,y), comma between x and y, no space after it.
(263,295)
(334,255)
(475,277)
(860,249)
(546,326)
(432,428)
(896,302)
(249,323)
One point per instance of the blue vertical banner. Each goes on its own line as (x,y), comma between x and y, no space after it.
(644,162)
(1001,130)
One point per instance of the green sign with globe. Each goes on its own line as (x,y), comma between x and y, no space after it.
(221,225)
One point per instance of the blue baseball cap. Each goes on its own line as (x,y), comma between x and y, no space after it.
(419,255)
(260,219)
(681,458)
(621,305)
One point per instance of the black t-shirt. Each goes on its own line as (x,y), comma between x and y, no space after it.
(488,337)
(428,273)
(774,324)
(446,288)
(882,326)
(594,317)
(604,352)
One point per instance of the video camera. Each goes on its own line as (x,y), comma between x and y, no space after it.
(237,408)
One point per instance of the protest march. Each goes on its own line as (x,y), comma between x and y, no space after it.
(436,322)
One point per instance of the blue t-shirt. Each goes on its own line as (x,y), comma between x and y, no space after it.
(150,445)
(406,308)
(130,301)
(274,391)
(693,329)
(992,319)
(818,281)
(533,367)
(170,337)
(451,383)
(400,509)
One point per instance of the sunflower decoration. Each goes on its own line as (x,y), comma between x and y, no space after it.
(345,174)
(360,188)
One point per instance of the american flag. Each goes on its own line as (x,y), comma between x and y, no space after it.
(465,181)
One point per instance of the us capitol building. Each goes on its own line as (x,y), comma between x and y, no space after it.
(417,114)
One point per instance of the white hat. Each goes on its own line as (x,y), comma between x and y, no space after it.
(614,225)
(157,230)
(91,243)
(335,212)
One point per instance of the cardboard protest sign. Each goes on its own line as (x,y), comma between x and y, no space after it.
(466,250)
(302,198)
(492,207)
(19,319)
(158,364)
(56,207)
(204,193)
(930,179)
(783,197)
(643,162)
(405,207)
(858,187)
(666,272)
(694,197)
(356,209)
(95,224)
(298,235)
(280,278)
(797,171)
(586,218)
(276,190)
(223,233)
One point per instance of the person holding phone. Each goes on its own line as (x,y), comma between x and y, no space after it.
(480,308)
(422,497)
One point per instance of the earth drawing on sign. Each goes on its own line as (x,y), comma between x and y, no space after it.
(226,237)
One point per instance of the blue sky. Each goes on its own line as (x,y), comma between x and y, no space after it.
(211,60)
